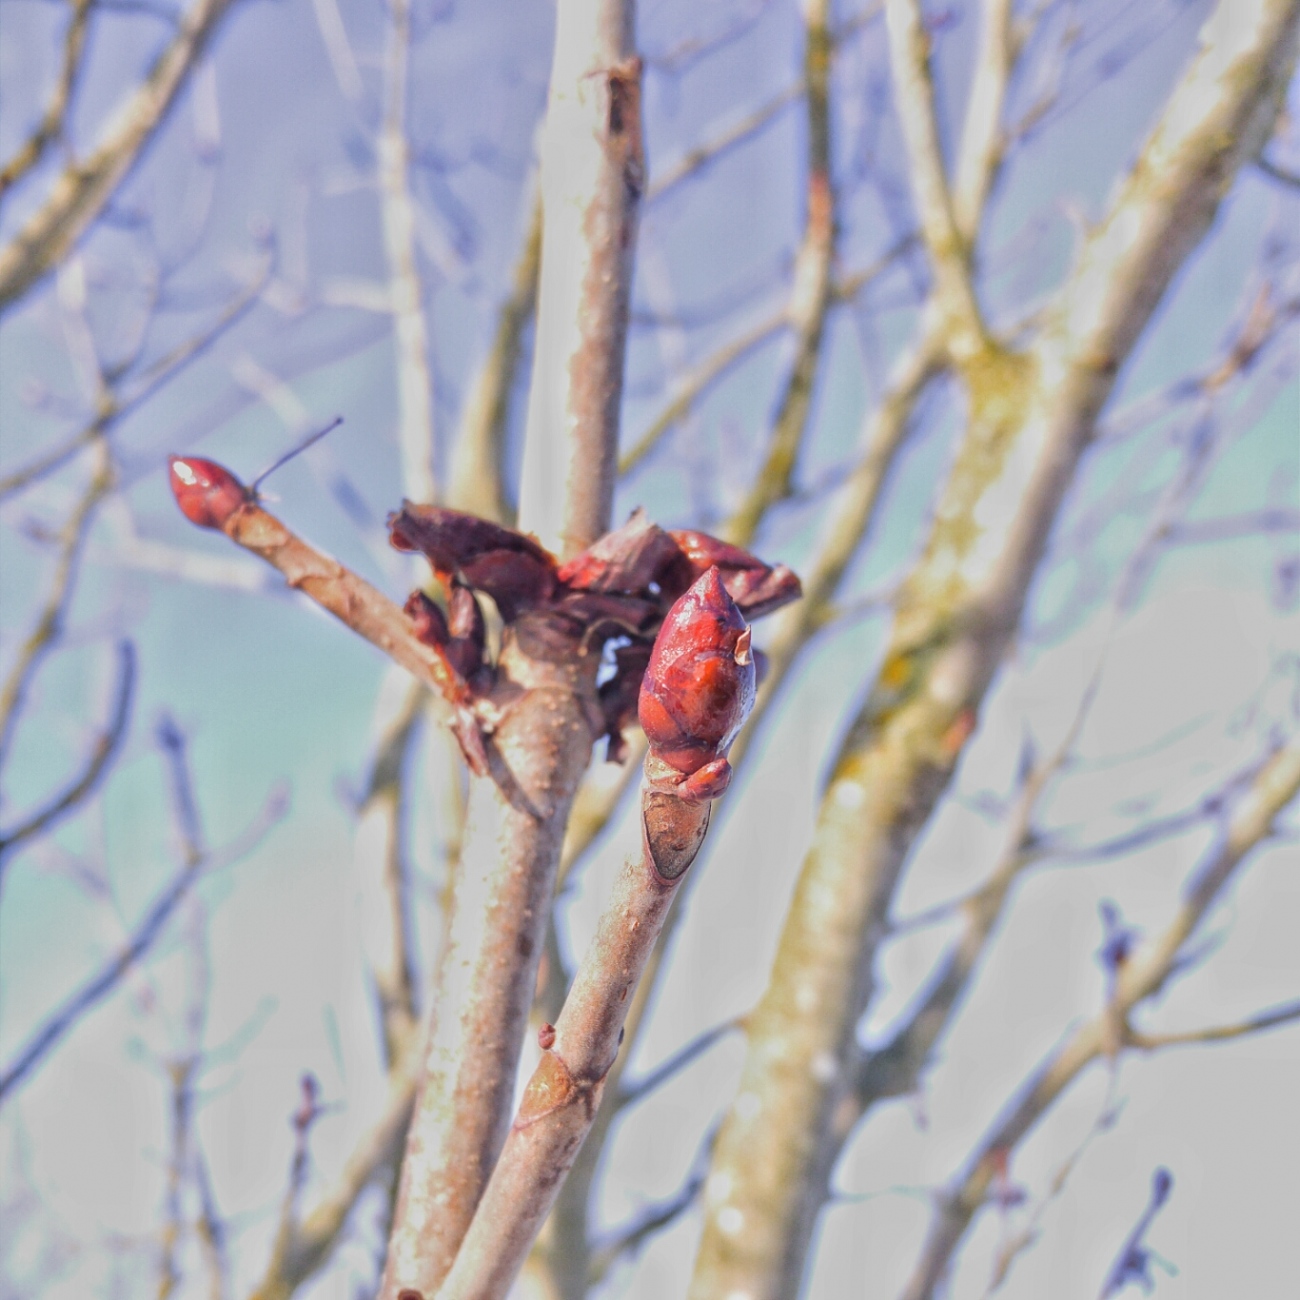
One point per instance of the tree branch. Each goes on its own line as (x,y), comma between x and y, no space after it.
(82,190)
(810,293)
(562,1098)
(49,624)
(1030,418)
(53,120)
(592,178)
(415,421)
(478,465)
(195,861)
(1140,978)
(101,755)
(948,248)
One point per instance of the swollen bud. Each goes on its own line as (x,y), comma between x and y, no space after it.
(207,493)
(699,686)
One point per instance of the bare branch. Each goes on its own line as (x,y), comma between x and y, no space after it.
(654,1218)
(630,1094)
(82,190)
(983,141)
(478,465)
(101,755)
(956,615)
(45,635)
(1140,978)
(810,293)
(1226,528)
(53,120)
(415,422)
(1133,1263)
(948,249)
(349,597)
(698,381)
(1256,1024)
(562,1098)
(306,1246)
(717,146)
(115,403)
(592,178)
(195,861)
(1287,178)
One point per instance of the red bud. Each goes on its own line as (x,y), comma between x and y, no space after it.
(207,493)
(699,687)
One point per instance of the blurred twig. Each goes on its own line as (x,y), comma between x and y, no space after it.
(84,187)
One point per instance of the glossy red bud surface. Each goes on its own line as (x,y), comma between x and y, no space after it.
(207,493)
(699,686)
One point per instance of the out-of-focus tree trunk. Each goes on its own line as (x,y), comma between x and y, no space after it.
(1030,415)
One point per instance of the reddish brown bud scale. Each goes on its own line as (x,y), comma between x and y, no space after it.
(699,687)
(207,493)
(546,1037)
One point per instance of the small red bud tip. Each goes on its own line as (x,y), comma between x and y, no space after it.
(546,1037)
(207,493)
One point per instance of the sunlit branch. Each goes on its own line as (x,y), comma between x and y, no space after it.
(53,120)
(97,762)
(1265,1020)
(346,595)
(83,188)
(983,141)
(810,292)
(947,247)
(592,178)
(896,1067)
(563,1097)
(415,402)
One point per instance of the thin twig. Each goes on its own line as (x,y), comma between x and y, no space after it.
(949,252)
(718,146)
(53,121)
(195,862)
(479,459)
(97,762)
(632,1093)
(810,292)
(1264,1020)
(83,188)
(115,404)
(48,629)
(1140,978)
